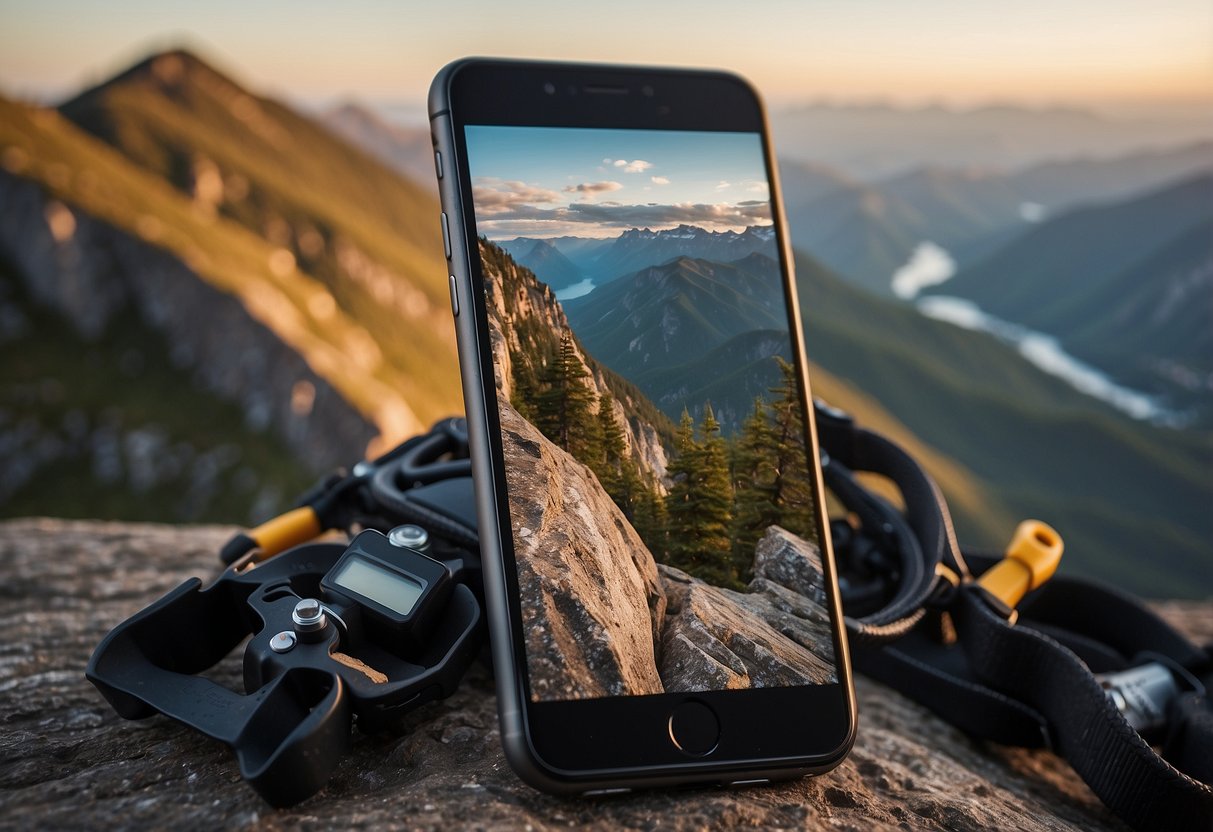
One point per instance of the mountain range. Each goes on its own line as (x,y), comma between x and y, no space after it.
(675,314)
(234,282)
(1127,286)
(876,141)
(562,262)
(865,230)
(276,262)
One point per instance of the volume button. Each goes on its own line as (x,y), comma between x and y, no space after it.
(446,237)
(454,297)
(438,163)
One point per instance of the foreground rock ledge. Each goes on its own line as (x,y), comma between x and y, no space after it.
(67,761)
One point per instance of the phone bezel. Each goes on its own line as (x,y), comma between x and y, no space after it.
(625,737)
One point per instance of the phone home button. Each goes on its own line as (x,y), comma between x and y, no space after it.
(694,728)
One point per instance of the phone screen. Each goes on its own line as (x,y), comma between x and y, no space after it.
(657,463)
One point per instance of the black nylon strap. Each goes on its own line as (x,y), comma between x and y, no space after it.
(1087,729)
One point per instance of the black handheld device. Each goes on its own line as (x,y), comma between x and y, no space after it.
(643,444)
(337,634)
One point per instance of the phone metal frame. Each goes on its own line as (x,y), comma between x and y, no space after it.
(610,753)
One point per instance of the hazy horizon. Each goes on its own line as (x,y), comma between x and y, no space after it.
(1115,59)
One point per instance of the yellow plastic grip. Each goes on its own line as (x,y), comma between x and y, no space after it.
(284,531)
(1031,559)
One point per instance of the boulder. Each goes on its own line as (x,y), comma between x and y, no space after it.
(592,604)
(790,561)
(715,639)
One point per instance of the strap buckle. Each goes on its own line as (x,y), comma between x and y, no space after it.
(1030,560)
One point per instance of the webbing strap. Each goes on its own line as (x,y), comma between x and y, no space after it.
(1086,727)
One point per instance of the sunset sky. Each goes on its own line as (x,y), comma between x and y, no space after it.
(546,182)
(1122,56)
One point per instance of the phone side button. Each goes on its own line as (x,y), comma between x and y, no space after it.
(454,297)
(438,163)
(446,236)
(694,728)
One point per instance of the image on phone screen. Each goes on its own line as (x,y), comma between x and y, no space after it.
(639,330)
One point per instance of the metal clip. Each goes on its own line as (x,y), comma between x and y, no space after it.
(1141,693)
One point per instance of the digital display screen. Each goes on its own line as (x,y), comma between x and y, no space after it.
(367,578)
(651,410)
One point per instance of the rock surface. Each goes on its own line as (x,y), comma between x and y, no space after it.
(792,562)
(713,641)
(67,761)
(592,604)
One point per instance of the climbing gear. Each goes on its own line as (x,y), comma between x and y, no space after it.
(998,646)
(1007,652)
(337,634)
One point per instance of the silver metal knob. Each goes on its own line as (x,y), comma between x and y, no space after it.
(308,616)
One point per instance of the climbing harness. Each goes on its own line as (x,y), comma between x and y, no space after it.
(997,646)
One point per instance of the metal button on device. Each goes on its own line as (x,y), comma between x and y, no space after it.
(409,536)
(446,236)
(454,297)
(308,616)
(694,728)
(283,642)
(438,163)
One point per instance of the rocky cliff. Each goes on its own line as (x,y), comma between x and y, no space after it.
(526,322)
(68,761)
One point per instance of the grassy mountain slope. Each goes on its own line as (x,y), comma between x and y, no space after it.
(1122,493)
(93,178)
(76,449)
(346,219)
(1157,313)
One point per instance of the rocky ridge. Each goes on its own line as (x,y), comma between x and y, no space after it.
(68,761)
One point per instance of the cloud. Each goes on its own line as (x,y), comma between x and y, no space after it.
(756,186)
(708,215)
(634,166)
(659,180)
(723,185)
(498,196)
(592,187)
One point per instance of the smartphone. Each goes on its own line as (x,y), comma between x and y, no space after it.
(658,574)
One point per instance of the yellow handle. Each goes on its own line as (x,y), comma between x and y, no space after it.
(284,531)
(1031,559)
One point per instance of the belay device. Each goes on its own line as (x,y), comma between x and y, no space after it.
(337,634)
(994,645)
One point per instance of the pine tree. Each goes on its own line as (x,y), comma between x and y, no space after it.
(612,461)
(680,503)
(525,386)
(754,504)
(699,505)
(564,404)
(792,490)
(716,504)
